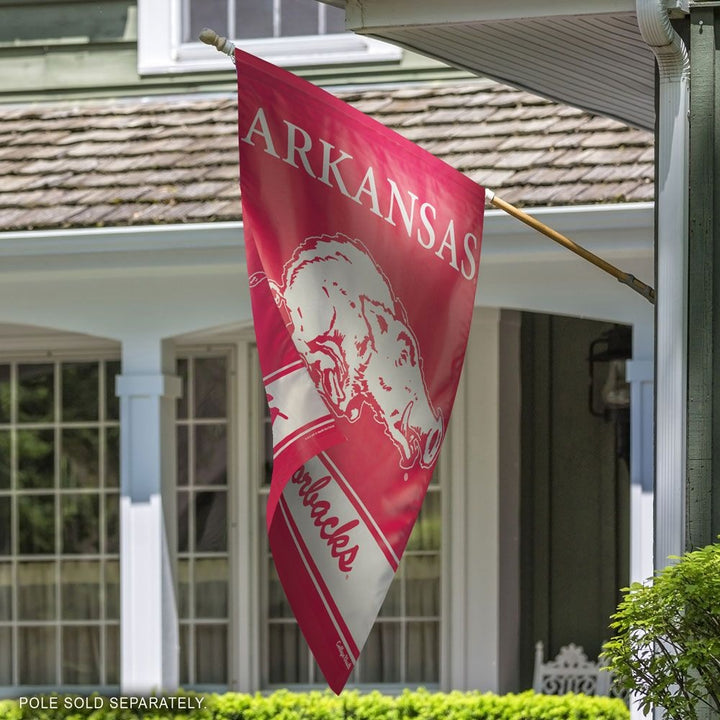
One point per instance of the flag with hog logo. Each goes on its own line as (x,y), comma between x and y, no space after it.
(362,254)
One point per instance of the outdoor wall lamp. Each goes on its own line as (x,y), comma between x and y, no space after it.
(608,391)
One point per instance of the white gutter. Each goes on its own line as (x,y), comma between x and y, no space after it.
(129,238)
(615,219)
(114,251)
(671,257)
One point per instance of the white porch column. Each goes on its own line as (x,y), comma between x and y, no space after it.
(640,375)
(148,607)
(671,254)
(483,607)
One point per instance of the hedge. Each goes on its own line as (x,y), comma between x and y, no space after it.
(350,705)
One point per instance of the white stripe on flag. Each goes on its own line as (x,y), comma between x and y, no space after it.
(296,408)
(354,568)
(312,569)
(271,377)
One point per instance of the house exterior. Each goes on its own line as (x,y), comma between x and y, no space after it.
(629,59)
(133,434)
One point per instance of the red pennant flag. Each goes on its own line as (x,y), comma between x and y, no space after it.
(362,253)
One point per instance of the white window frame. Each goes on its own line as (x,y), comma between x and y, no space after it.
(55,351)
(196,351)
(245,526)
(161,52)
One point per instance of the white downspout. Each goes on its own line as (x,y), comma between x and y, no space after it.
(671,177)
(671,257)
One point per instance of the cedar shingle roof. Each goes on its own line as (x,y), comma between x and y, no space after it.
(174,160)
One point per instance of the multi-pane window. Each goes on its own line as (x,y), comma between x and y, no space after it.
(289,33)
(404,645)
(202,507)
(59,535)
(249,19)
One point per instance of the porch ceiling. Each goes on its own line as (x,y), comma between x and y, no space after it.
(587,54)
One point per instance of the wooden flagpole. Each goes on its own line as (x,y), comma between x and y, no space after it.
(626,278)
(223,45)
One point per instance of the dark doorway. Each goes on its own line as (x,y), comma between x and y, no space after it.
(574,490)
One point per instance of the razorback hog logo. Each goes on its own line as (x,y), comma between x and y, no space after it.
(355,339)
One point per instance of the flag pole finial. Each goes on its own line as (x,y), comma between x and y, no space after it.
(223,44)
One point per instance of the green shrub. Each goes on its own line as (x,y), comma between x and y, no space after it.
(667,637)
(350,705)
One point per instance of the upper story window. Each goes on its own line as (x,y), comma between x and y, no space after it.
(291,33)
(264,19)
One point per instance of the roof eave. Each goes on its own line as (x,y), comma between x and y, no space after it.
(586,53)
